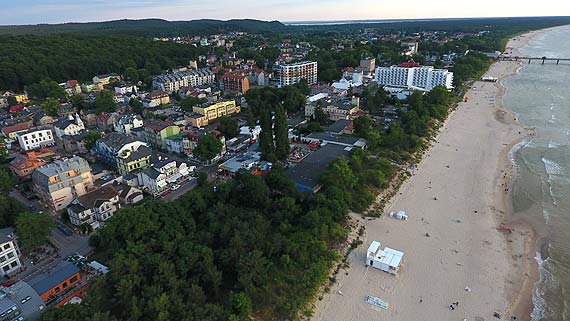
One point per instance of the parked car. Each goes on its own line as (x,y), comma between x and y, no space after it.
(174,187)
(64,229)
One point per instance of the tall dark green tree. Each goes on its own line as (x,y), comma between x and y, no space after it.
(281,134)
(207,148)
(266,145)
(33,229)
(51,106)
(105,102)
(228,126)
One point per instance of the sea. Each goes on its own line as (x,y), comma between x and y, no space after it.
(540,96)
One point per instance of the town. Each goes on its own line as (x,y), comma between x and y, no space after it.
(79,153)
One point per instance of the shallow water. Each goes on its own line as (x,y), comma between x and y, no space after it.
(540,96)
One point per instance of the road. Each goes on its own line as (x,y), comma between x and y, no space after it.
(185,187)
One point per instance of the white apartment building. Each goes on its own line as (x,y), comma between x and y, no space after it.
(421,78)
(289,74)
(36,138)
(190,78)
(9,252)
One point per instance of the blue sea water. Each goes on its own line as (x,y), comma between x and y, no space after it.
(540,96)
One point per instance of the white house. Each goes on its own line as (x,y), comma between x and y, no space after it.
(125,123)
(124,89)
(163,170)
(94,207)
(9,252)
(36,138)
(388,260)
(68,126)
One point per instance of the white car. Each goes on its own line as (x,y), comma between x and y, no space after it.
(174,187)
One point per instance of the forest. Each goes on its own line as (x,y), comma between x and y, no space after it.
(28,59)
(250,247)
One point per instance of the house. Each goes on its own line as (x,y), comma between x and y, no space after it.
(9,253)
(71,125)
(111,145)
(16,109)
(36,138)
(74,144)
(58,183)
(156,98)
(129,160)
(96,206)
(40,118)
(125,88)
(19,301)
(387,260)
(128,195)
(12,131)
(124,123)
(341,109)
(156,132)
(105,121)
(163,170)
(20,98)
(105,79)
(341,126)
(59,284)
(23,165)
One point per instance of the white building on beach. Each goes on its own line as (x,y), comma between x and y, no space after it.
(414,76)
(388,260)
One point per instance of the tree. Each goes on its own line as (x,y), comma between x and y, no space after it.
(320,116)
(266,137)
(105,102)
(228,127)
(51,106)
(362,126)
(131,74)
(6,182)
(90,138)
(45,89)
(33,229)
(3,150)
(281,133)
(207,148)
(78,102)
(11,100)
(189,102)
(137,106)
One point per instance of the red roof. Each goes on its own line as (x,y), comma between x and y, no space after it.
(16,128)
(17,108)
(409,64)
(157,125)
(72,82)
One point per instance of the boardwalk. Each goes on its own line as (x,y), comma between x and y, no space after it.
(530,59)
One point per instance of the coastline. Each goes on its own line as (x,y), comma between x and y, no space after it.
(517,250)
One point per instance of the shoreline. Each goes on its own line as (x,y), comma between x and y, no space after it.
(517,249)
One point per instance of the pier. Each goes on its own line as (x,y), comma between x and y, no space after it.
(530,59)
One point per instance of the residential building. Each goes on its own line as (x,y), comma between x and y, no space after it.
(414,76)
(367,65)
(36,138)
(288,74)
(179,144)
(20,302)
(105,121)
(59,183)
(9,253)
(23,165)
(131,160)
(124,123)
(105,79)
(189,78)
(107,148)
(74,144)
(206,113)
(335,108)
(235,82)
(40,118)
(71,125)
(163,170)
(124,89)
(94,207)
(156,98)
(156,131)
(59,284)
(12,131)
(410,48)
(128,195)
(20,98)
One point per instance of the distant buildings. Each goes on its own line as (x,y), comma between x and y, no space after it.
(174,81)
(235,82)
(12,131)
(9,252)
(22,166)
(367,65)
(20,302)
(123,124)
(163,170)
(35,138)
(109,147)
(414,76)
(156,132)
(72,125)
(58,183)
(288,74)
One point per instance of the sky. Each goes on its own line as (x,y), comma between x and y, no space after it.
(16,12)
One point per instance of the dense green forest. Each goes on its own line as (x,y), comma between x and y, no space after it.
(252,246)
(28,59)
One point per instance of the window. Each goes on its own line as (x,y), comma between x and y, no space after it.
(57,290)
(73,279)
(7,246)
(6,268)
(14,264)
(11,255)
(64,285)
(2,258)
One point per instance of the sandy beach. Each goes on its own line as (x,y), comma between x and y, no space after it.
(469,171)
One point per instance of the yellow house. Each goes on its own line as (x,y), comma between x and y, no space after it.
(130,160)
(216,110)
(20,98)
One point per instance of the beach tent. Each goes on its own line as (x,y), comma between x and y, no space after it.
(387,260)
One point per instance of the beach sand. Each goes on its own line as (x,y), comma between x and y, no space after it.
(468,170)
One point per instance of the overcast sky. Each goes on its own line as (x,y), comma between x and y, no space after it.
(54,11)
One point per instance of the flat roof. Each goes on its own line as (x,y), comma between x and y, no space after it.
(47,280)
(307,172)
